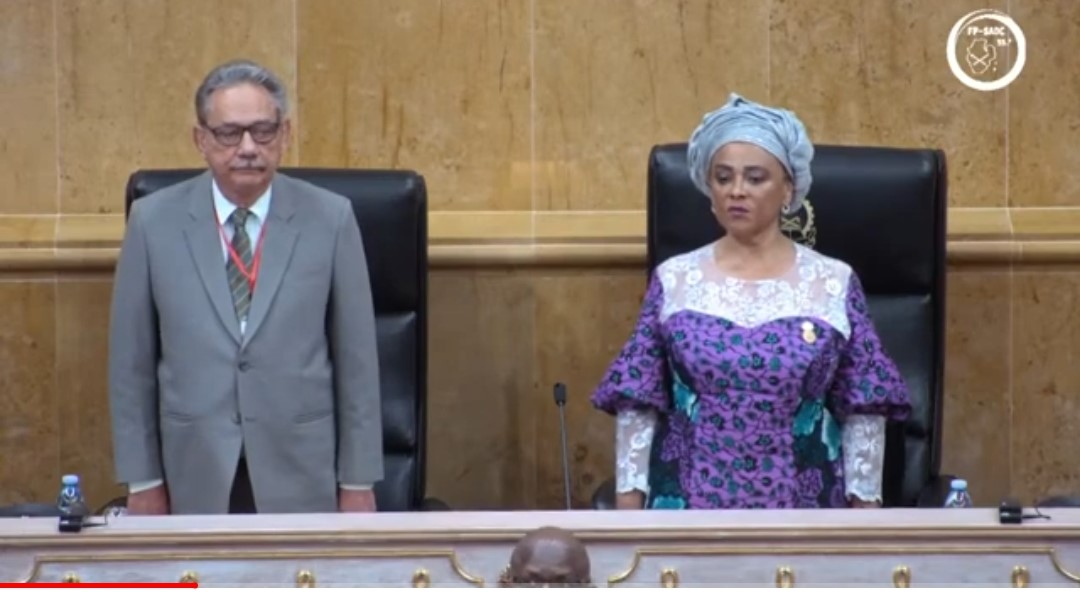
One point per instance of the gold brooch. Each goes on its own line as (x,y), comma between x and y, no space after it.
(808,333)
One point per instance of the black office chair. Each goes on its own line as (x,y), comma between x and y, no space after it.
(883,211)
(391,209)
(30,510)
(1059,501)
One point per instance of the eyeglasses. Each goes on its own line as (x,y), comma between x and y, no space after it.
(262,132)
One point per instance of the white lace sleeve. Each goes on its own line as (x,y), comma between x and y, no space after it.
(864,456)
(634,429)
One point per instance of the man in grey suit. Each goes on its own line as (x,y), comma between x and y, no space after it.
(243,372)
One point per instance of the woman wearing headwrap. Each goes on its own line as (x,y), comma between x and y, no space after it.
(754,377)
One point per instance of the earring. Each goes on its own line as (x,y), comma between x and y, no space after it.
(786,209)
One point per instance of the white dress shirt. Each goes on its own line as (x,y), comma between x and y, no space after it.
(253,225)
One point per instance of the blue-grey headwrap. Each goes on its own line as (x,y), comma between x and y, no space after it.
(777,131)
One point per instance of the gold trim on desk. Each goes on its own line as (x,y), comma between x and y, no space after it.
(785,577)
(669,578)
(1020,577)
(713,533)
(669,575)
(901,577)
(305,578)
(421,578)
(810,550)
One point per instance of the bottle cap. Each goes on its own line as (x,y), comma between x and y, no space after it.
(959,484)
(70,480)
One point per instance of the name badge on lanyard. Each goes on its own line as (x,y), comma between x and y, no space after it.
(252,274)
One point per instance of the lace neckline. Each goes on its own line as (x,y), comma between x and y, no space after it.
(706,258)
(815,286)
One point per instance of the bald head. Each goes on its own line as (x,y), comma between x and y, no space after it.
(549,556)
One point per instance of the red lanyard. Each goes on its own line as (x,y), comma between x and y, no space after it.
(252,275)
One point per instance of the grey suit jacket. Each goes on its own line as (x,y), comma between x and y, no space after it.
(299,390)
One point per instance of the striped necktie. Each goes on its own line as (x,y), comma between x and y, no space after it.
(238,281)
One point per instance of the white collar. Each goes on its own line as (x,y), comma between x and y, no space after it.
(225,208)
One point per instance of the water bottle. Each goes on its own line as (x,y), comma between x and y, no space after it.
(70,502)
(958,495)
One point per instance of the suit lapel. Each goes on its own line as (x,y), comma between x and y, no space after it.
(277,249)
(204,242)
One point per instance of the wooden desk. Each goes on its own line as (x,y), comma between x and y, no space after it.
(798,547)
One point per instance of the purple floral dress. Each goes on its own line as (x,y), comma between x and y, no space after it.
(752,394)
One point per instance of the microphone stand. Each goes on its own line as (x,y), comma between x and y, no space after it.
(560,401)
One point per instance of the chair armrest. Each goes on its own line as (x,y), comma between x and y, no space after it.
(935,491)
(604,496)
(433,504)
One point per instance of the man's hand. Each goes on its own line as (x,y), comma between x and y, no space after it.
(356,500)
(631,500)
(149,502)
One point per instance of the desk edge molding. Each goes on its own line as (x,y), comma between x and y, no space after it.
(566,254)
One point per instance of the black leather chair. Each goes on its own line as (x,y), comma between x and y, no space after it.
(1059,501)
(391,209)
(30,510)
(883,211)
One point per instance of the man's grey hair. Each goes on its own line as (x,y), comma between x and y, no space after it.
(239,72)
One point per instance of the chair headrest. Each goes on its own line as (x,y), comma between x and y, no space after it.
(881,210)
(390,208)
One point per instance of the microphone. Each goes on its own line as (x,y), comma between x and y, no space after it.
(560,401)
